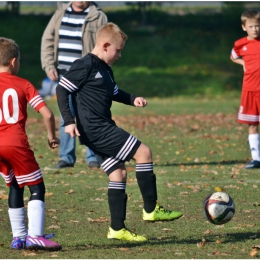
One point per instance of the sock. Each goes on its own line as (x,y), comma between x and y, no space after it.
(254,146)
(35,218)
(117,199)
(17,220)
(146,180)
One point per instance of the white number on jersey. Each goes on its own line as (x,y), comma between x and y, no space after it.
(5,110)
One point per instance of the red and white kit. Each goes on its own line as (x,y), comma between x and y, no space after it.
(16,157)
(248,50)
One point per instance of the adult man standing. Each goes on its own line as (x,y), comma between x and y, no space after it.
(70,35)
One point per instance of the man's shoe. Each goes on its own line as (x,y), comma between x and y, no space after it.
(161,214)
(42,243)
(63,164)
(253,165)
(18,243)
(94,165)
(124,234)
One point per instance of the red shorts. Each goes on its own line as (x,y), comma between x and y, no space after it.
(249,111)
(19,163)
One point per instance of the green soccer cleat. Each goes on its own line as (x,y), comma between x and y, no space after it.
(124,234)
(161,214)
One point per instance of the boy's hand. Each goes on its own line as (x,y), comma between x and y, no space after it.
(140,102)
(54,143)
(72,130)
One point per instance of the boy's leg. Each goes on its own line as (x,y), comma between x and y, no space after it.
(117,200)
(36,238)
(147,183)
(16,213)
(253,139)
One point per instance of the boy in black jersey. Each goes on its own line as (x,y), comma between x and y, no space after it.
(91,82)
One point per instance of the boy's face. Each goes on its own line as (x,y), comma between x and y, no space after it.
(252,27)
(113,51)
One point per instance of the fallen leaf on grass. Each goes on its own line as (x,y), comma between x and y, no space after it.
(28,253)
(208,231)
(254,252)
(123,248)
(69,192)
(167,229)
(98,220)
(53,226)
(202,243)
(74,221)
(1,244)
(218,189)
(48,194)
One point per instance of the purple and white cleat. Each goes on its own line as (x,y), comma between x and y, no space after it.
(42,243)
(18,243)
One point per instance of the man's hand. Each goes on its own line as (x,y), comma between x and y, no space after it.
(72,130)
(140,102)
(54,143)
(53,75)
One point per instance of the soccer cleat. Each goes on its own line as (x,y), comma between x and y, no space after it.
(18,243)
(42,242)
(124,234)
(253,165)
(161,214)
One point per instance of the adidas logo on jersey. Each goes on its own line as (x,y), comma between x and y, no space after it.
(244,48)
(98,76)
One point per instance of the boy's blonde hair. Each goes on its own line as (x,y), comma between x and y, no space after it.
(8,50)
(110,32)
(250,14)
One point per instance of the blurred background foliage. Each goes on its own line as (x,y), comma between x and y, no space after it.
(174,48)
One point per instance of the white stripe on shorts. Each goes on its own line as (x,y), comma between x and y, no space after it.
(123,153)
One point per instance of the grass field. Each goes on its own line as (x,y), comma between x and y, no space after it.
(198,148)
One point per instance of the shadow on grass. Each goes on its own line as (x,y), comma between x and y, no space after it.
(228,162)
(226,238)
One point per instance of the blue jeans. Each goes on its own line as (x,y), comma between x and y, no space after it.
(68,144)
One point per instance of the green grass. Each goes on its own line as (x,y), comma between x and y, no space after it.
(198,147)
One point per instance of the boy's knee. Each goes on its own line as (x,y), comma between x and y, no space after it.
(37,191)
(143,154)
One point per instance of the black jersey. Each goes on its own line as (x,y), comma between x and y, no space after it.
(91,83)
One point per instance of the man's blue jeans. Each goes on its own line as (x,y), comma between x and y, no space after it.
(68,144)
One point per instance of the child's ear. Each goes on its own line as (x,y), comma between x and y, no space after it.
(12,62)
(105,45)
(244,28)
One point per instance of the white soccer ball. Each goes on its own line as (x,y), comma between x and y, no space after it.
(218,208)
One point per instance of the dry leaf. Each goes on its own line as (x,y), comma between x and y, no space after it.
(53,226)
(218,189)
(202,243)
(253,252)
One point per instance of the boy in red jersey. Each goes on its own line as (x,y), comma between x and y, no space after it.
(246,52)
(17,162)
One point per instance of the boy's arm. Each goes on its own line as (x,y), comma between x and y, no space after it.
(49,120)
(238,61)
(129,99)
(63,103)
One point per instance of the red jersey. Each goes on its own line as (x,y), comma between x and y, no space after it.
(15,93)
(249,51)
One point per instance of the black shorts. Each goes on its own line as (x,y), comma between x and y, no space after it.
(114,149)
